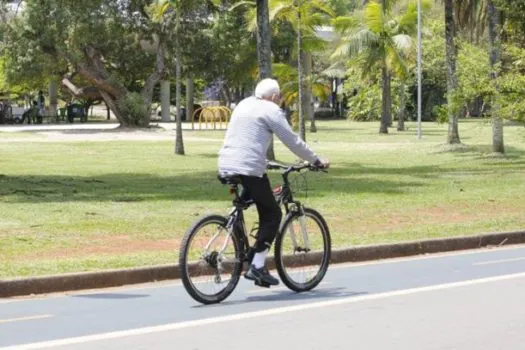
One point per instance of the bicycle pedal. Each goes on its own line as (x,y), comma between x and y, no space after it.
(262,284)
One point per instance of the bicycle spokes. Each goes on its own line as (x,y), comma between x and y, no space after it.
(220,230)
(302,248)
(212,259)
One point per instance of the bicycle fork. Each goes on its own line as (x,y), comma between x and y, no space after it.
(304,234)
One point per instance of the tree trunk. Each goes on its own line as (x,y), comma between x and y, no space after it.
(264,52)
(113,106)
(451,54)
(237,94)
(495,51)
(264,40)
(155,77)
(226,93)
(189,98)
(110,100)
(302,88)
(165,100)
(93,69)
(53,104)
(179,143)
(308,94)
(109,92)
(386,101)
(402,108)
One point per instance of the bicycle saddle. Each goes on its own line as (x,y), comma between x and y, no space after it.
(229,179)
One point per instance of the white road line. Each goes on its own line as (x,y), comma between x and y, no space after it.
(502,261)
(248,315)
(27,318)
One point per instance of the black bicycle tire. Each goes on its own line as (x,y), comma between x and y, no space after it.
(318,218)
(188,285)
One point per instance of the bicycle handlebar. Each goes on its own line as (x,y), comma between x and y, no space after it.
(289,168)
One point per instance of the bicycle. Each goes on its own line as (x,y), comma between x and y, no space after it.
(225,266)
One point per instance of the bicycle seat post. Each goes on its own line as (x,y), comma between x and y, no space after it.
(234,189)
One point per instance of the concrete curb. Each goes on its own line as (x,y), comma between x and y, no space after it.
(113,278)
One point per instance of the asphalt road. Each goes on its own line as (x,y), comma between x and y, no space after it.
(469,300)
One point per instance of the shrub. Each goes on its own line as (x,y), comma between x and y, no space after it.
(134,110)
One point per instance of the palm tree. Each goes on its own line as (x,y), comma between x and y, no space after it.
(476,16)
(379,41)
(161,8)
(304,16)
(179,143)
(264,51)
(262,26)
(288,76)
(264,40)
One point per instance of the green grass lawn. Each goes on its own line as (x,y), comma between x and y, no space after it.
(84,206)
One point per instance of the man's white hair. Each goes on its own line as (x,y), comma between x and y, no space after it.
(266,88)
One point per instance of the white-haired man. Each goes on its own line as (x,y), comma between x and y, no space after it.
(243,153)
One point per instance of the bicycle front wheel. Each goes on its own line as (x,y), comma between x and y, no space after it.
(210,260)
(302,250)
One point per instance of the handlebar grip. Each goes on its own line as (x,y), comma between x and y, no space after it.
(272,167)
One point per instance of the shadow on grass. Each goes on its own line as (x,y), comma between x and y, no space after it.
(347,178)
(413,131)
(360,169)
(482,151)
(196,186)
(419,175)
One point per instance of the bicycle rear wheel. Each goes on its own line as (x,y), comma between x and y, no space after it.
(210,271)
(302,250)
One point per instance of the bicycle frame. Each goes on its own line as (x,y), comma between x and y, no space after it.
(236,223)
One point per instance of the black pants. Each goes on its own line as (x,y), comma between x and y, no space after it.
(270,214)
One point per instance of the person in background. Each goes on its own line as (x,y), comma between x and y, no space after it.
(41,106)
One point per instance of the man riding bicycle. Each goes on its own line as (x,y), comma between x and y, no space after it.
(243,153)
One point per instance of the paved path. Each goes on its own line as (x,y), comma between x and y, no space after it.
(94,126)
(469,300)
(99,132)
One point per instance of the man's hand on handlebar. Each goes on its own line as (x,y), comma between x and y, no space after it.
(322,163)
